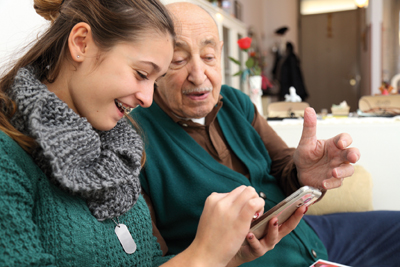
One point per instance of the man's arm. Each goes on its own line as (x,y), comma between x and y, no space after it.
(322,164)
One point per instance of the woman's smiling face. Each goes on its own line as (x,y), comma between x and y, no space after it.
(123,76)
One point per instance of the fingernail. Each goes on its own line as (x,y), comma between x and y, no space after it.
(338,173)
(251,236)
(344,143)
(306,210)
(256,215)
(326,184)
(276,223)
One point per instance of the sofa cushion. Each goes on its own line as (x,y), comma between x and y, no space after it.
(355,195)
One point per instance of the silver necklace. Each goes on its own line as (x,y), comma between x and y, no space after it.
(125,237)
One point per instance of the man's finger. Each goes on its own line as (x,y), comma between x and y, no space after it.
(309,124)
(343,140)
(343,171)
(332,183)
(353,155)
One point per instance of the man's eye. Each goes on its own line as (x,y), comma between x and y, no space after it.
(209,58)
(177,62)
(143,76)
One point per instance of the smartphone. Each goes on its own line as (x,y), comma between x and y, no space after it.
(304,196)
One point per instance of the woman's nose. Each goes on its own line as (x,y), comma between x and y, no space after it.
(145,96)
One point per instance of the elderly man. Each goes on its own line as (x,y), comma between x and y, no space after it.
(202,137)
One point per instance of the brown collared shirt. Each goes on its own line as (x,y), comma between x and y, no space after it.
(210,137)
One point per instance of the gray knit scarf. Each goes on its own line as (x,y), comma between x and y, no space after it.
(100,166)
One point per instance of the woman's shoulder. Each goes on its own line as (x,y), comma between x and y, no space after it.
(14,158)
(10,149)
(7,142)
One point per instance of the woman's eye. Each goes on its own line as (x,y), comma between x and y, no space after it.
(143,76)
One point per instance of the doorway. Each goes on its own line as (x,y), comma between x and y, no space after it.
(329,51)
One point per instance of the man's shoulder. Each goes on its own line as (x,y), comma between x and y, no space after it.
(237,100)
(228,91)
(145,116)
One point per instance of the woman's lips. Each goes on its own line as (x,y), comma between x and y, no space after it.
(121,112)
(123,107)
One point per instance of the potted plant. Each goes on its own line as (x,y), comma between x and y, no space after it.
(252,67)
(252,73)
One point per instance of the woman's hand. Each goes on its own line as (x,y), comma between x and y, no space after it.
(223,227)
(225,222)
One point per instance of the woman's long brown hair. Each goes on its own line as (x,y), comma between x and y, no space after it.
(111,21)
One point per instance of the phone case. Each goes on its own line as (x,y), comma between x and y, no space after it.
(305,195)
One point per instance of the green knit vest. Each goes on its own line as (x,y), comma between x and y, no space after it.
(179,175)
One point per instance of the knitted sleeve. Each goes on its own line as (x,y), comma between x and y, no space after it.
(19,241)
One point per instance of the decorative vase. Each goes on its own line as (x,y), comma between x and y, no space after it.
(255,92)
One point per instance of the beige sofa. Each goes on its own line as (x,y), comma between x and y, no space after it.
(355,195)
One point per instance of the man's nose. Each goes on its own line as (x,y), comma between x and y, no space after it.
(145,96)
(197,71)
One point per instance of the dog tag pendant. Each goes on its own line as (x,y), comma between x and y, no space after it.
(125,238)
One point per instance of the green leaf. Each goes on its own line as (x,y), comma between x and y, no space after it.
(234,60)
(250,62)
(238,73)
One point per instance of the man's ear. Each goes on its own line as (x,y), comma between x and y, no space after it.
(221,45)
(80,40)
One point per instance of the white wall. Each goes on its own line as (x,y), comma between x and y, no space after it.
(19,24)
(378,142)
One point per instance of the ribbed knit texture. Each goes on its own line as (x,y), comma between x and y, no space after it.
(101,167)
(42,225)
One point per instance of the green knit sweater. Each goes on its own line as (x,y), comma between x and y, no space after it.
(179,175)
(41,225)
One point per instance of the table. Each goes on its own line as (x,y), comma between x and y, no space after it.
(379,142)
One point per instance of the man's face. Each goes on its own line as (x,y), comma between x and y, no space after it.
(193,82)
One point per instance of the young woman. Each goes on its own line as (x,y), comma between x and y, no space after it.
(69,160)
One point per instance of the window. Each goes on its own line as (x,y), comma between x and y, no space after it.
(308,7)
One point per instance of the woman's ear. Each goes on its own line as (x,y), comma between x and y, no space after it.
(80,41)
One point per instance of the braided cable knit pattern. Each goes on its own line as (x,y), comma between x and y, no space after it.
(101,166)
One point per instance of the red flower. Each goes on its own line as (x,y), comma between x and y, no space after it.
(244,43)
